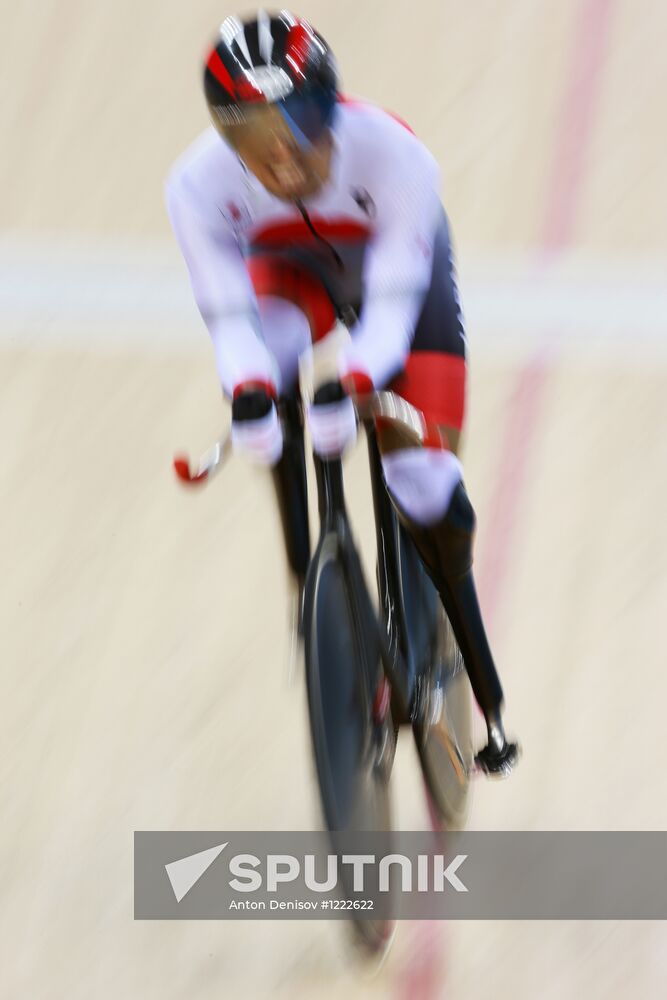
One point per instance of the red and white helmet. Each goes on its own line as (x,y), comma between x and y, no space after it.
(272,59)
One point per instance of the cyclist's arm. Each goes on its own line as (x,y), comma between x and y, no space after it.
(221,286)
(398,264)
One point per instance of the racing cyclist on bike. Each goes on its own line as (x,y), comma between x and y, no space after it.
(299,209)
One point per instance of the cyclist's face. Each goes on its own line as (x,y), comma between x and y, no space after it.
(270,151)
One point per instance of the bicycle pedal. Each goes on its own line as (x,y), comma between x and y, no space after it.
(498,763)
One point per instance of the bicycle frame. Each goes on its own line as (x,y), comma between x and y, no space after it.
(408,599)
(335,529)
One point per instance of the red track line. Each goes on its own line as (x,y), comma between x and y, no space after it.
(515,453)
(576,120)
(419,979)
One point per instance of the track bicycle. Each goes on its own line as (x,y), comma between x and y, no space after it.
(370,672)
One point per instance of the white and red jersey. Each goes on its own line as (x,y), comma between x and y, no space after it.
(381,198)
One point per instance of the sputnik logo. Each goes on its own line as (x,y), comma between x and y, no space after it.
(186,872)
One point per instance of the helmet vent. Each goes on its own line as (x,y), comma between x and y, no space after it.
(265,36)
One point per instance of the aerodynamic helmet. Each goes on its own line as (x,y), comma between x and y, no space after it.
(277,60)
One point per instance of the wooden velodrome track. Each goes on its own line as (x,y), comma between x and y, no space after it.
(145,661)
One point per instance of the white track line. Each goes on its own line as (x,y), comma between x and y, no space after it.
(118,296)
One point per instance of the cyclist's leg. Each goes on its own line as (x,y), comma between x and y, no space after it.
(293,311)
(427,487)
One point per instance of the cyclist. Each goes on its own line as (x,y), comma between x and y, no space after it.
(315,209)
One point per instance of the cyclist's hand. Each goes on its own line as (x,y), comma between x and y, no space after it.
(256,429)
(332,420)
